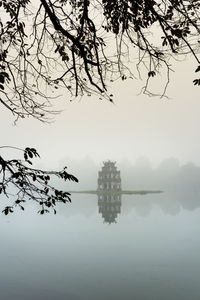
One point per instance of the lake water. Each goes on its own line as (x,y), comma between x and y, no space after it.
(151,251)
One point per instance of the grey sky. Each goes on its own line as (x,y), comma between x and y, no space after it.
(134,126)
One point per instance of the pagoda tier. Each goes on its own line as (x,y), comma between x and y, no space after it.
(109,177)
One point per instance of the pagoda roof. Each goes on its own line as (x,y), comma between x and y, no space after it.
(109,162)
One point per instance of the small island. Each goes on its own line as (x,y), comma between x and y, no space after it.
(109,192)
(126,192)
(109,182)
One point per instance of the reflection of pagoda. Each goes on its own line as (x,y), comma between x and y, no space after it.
(109,178)
(109,192)
(109,206)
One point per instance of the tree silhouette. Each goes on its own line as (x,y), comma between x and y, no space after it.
(20,182)
(82,45)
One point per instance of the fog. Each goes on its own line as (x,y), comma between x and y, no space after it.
(169,175)
(134,126)
(152,250)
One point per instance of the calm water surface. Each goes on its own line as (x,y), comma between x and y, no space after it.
(151,251)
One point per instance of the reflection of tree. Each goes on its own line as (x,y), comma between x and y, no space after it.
(169,202)
(109,206)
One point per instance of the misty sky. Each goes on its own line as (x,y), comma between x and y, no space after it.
(134,126)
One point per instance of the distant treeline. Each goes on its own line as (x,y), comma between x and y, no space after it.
(169,175)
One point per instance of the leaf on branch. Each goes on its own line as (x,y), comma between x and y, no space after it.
(7,210)
(198,69)
(151,74)
(196,82)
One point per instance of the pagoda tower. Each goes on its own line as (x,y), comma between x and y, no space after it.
(109,177)
(109,192)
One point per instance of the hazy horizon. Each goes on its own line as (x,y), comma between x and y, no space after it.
(134,126)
